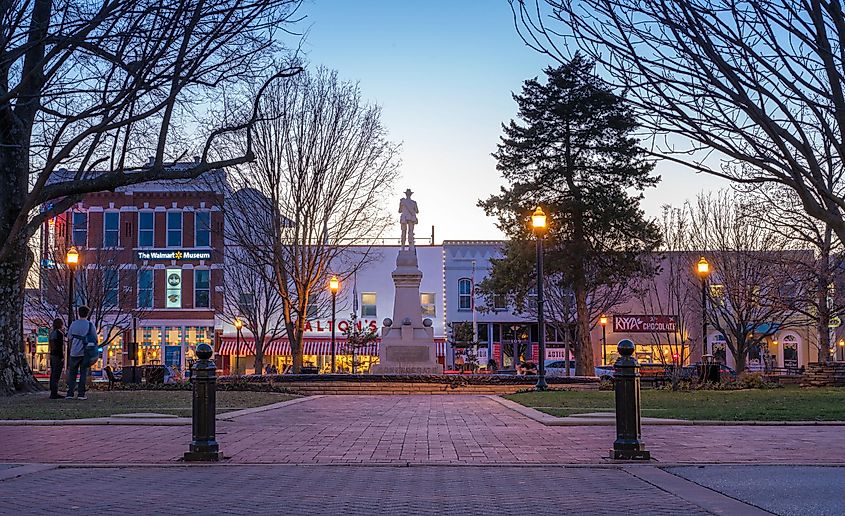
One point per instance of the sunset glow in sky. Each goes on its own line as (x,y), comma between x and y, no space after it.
(443,72)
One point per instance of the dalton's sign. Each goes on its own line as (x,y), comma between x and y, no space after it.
(173,254)
(644,323)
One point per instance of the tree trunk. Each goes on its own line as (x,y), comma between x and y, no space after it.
(823,278)
(740,355)
(259,354)
(15,374)
(584,363)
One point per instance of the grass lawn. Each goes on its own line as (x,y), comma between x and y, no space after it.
(104,403)
(787,404)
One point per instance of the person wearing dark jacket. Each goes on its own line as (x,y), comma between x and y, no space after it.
(57,357)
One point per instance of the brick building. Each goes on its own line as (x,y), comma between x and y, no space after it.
(150,259)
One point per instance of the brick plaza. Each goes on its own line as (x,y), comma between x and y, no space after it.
(456,430)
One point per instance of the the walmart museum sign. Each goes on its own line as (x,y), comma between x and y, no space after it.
(174,254)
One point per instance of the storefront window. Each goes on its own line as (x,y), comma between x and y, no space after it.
(173,346)
(790,351)
(149,348)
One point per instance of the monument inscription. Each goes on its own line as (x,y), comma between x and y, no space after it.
(407,353)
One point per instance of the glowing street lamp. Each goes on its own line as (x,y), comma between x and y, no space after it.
(238,325)
(334,286)
(603,322)
(72,261)
(538,222)
(703,270)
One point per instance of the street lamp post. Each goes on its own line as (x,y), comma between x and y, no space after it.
(334,286)
(538,222)
(703,269)
(238,325)
(72,260)
(603,322)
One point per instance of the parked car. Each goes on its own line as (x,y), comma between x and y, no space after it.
(605,372)
(558,367)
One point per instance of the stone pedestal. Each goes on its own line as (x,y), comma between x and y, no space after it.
(407,344)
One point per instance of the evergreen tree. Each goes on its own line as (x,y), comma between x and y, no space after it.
(573,153)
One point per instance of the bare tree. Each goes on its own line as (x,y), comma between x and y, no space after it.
(752,91)
(98,87)
(778,210)
(252,296)
(324,166)
(673,290)
(752,292)
(99,284)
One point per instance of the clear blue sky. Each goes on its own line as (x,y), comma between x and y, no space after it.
(443,72)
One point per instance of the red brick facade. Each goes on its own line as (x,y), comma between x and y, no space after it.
(177,328)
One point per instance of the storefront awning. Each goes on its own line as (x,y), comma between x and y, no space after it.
(311,346)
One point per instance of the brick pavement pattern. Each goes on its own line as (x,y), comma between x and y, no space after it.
(338,490)
(414,430)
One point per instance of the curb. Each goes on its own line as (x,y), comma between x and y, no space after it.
(128,421)
(607,464)
(696,494)
(99,421)
(228,416)
(574,420)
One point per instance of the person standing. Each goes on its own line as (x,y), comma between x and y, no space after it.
(81,334)
(57,357)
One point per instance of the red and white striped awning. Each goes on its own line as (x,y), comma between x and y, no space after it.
(311,346)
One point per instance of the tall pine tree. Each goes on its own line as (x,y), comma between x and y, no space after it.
(573,153)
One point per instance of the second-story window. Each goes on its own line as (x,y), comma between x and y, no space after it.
(368,305)
(500,302)
(174,229)
(80,228)
(203,229)
(427,304)
(146,228)
(111,228)
(145,288)
(202,288)
(464,294)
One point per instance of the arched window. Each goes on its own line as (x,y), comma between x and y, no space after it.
(464,294)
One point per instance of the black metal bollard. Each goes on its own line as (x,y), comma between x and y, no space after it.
(204,447)
(626,382)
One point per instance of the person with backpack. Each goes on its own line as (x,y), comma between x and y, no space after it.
(57,357)
(82,336)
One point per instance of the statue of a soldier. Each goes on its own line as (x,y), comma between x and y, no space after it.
(407,218)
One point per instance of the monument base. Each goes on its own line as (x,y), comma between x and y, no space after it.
(407,342)
(407,350)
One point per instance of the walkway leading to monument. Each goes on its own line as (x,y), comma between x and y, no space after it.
(419,430)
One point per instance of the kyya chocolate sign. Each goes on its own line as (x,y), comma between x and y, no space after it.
(174,255)
(645,323)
